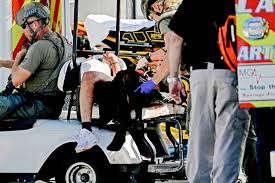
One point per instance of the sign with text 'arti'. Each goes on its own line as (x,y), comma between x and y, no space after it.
(255,21)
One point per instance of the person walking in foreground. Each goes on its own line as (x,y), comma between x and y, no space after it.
(218,127)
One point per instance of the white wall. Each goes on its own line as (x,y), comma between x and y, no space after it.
(106,7)
(66,20)
(139,14)
(5,39)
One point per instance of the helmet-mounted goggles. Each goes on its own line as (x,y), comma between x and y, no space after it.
(33,9)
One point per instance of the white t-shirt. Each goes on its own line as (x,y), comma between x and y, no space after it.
(95,65)
(92,64)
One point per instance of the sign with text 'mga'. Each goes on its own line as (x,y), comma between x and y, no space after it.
(255,21)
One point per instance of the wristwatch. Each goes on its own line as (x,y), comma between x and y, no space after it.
(172,79)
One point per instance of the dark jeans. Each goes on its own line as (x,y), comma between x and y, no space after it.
(264,121)
(18,106)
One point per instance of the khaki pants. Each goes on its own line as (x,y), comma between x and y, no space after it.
(218,128)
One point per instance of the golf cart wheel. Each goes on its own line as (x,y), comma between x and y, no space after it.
(80,172)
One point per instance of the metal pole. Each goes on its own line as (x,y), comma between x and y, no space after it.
(117,27)
(74,55)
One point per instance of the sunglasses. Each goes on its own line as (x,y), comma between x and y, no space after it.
(28,23)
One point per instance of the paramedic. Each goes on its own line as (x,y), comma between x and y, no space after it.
(32,68)
(160,11)
(218,127)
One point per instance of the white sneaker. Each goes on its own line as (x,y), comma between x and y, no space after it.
(86,140)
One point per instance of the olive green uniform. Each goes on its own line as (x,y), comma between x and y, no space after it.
(41,60)
(38,100)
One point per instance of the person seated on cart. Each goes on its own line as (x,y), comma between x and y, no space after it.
(86,138)
(108,91)
(35,68)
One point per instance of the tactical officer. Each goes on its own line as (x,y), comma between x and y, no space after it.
(36,68)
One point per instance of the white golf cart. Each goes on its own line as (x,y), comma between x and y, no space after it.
(44,149)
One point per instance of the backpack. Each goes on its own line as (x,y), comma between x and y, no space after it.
(228,43)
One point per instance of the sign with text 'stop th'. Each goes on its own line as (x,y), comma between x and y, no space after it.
(255,22)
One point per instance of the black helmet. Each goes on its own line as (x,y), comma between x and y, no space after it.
(145,7)
(33,9)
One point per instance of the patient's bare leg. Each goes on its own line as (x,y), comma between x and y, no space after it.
(87,92)
(87,139)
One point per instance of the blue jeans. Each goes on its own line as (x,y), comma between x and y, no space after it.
(17,106)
